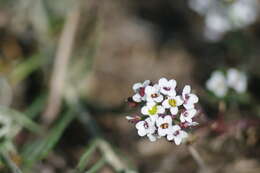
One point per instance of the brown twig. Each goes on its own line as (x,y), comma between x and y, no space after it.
(63,55)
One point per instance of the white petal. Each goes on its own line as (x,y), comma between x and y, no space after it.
(150,104)
(177,140)
(136,86)
(192,112)
(160,110)
(186,89)
(141,132)
(149,90)
(172,93)
(188,106)
(139,125)
(189,119)
(158,99)
(144,110)
(162,82)
(151,137)
(146,83)
(174,110)
(172,83)
(168,119)
(154,118)
(165,104)
(137,97)
(183,134)
(159,121)
(161,132)
(179,100)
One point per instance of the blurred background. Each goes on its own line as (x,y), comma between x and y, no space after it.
(68,66)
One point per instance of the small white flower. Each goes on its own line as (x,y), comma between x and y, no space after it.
(237,80)
(153,94)
(187,115)
(189,98)
(172,103)
(152,109)
(167,87)
(5,125)
(177,134)
(164,125)
(217,84)
(145,127)
(152,137)
(139,90)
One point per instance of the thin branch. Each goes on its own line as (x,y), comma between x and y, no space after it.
(61,62)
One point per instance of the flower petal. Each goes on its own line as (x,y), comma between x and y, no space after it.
(151,137)
(160,110)
(136,86)
(170,137)
(186,89)
(137,97)
(174,110)
(144,110)
(162,82)
(177,140)
(159,99)
(165,104)
(139,125)
(141,132)
(179,100)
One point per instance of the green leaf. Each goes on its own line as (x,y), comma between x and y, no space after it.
(97,166)
(39,149)
(86,156)
(21,119)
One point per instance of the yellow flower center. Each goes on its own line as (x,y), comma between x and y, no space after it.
(153,110)
(172,102)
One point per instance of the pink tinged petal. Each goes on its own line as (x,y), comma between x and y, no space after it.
(179,100)
(151,137)
(159,99)
(186,90)
(182,118)
(176,127)
(137,98)
(177,140)
(160,110)
(188,106)
(140,125)
(162,82)
(193,98)
(141,132)
(174,110)
(136,86)
(144,110)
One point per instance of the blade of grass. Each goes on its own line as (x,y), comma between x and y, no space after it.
(21,119)
(97,166)
(9,163)
(39,149)
(36,107)
(86,156)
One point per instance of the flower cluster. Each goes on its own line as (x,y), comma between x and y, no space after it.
(219,83)
(163,111)
(225,15)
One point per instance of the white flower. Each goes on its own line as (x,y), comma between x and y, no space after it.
(237,80)
(164,125)
(146,127)
(139,90)
(151,137)
(187,115)
(217,84)
(177,134)
(5,125)
(172,103)
(189,98)
(167,87)
(153,94)
(152,109)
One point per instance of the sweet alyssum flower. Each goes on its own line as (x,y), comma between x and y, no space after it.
(219,83)
(164,113)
